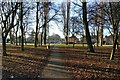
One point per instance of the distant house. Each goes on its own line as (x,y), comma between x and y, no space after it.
(93,38)
(83,39)
(73,39)
(109,39)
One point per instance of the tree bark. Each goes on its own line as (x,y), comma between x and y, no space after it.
(41,38)
(45,26)
(88,37)
(97,39)
(25,38)
(11,37)
(36,34)
(68,16)
(101,35)
(45,10)
(114,20)
(16,39)
(19,38)
(117,44)
(22,29)
(114,44)
(66,39)
(4,46)
(16,34)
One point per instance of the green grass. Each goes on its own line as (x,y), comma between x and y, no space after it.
(59,45)
(107,45)
(70,45)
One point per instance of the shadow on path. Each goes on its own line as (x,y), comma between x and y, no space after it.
(55,67)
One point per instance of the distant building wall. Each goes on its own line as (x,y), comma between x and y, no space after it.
(0,40)
(109,40)
(73,39)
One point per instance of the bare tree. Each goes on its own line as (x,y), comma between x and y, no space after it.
(115,21)
(45,10)
(47,6)
(66,18)
(6,29)
(88,37)
(97,19)
(21,27)
(16,33)
(67,23)
(37,21)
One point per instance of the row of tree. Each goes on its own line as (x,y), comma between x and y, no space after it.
(77,18)
(15,20)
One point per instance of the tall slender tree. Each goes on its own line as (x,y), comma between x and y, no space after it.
(67,22)
(66,18)
(37,21)
(16,33)
(46,11)
(101,23)
(21,27)
(88,37)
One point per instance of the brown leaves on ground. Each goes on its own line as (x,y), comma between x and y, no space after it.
(29,63)
(77,61)
(92,65)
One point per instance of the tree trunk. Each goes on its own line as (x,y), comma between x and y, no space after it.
(4,41)
(41,38)
(66,38)
(101,36)
(22,29)
(11,37)
(25,38)
(4,46)
(68,16)
(22,39)
(97,39)
(46,11)
(16,34)
(114,44)
(16,39)
(45,26)
(19,38)
(88,38)
(36,34)
(117,45)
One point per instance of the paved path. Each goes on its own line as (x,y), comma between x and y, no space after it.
(55,68)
